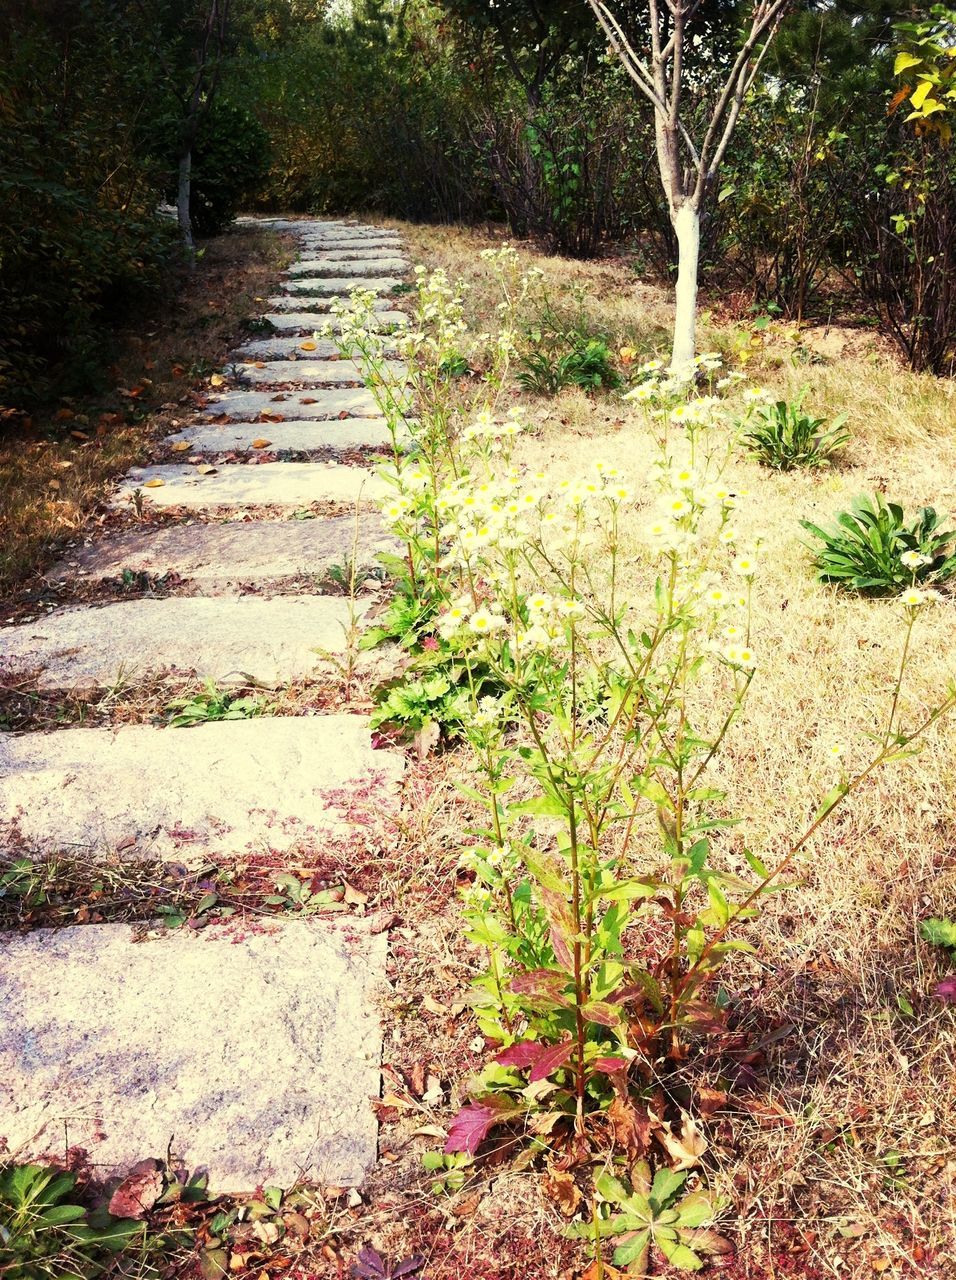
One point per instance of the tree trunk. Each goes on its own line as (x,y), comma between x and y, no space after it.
(182,198)
(686,221)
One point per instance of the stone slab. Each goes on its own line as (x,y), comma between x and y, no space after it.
(308,322)
(224,787)
(219,558)
(255,1052)
(321,306)
(301,437)
(279,348)
(331,373)
(276,484)
(352,250)
(317,403)
(270,640)
(340,284)
(367,265)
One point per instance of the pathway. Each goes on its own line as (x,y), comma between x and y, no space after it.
(252,1052)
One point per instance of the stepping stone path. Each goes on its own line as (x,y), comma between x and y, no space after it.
(253,1048)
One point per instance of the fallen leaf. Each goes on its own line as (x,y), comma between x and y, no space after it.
(308,346)
(685,1149)
(563,1190)
(207,470)
(426,739)
(467,1207)
(64,415)
(631,1126)
(79,435)
(217,380)
(354,897)
(155,483)
(138,1191)
(181,446)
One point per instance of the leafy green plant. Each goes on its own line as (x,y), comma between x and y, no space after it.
(43,1232)
(299,895)
(450,1170)
(874,549)
(643,1214)
(588,364)
(212,703)
(941,933)
(782,436)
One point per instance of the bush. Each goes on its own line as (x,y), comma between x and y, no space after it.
(875,550)
(782,436)
(230,161)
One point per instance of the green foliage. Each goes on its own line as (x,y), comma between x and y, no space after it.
(782,436)
(941,933)
(230,162)
(587,365)
(45,1233)
(212,703)
(642,1213)
(79,188)
(865,550)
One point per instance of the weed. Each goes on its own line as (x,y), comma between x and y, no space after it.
(212,703)
(43,1232)
(782,436)
(875,550)
(643,1214)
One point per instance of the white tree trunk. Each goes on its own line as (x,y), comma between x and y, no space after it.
(686,222)
(182,199)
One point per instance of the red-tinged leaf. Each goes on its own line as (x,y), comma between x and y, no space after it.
(542,985)
(139,1190)
(370,1265)
(946,991)
(550,1060)
(471,1126)
(602,1012)
(410,1265)
(522,1055)
(610,1066)
(562,926)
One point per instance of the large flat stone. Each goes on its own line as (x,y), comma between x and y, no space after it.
(247,406)
(310,436)
(276,484)
(270,640)
(225,787)
(340,284)
(308,322)
(352,250)
(331,373)
(367,265)
(220,558)
(278,348)
(307,305)
(255,1051)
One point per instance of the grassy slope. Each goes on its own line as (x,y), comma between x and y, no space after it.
(856,1078)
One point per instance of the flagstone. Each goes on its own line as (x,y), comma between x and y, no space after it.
(341,284)
(279,348)
(308,369)
(367,265)
(274,484)
(313,402)
(308,323)
(222,787)
(315,435)
(268,640)
(222,558)
(323,306)
(254,1050)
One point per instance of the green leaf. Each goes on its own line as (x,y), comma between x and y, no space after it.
(666,1184)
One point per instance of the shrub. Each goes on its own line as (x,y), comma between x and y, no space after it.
(230,160)
(875,550)
(782,436)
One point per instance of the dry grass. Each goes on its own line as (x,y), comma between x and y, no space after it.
(51,480)
(856,1077)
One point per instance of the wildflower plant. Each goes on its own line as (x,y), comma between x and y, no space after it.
(607,889)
